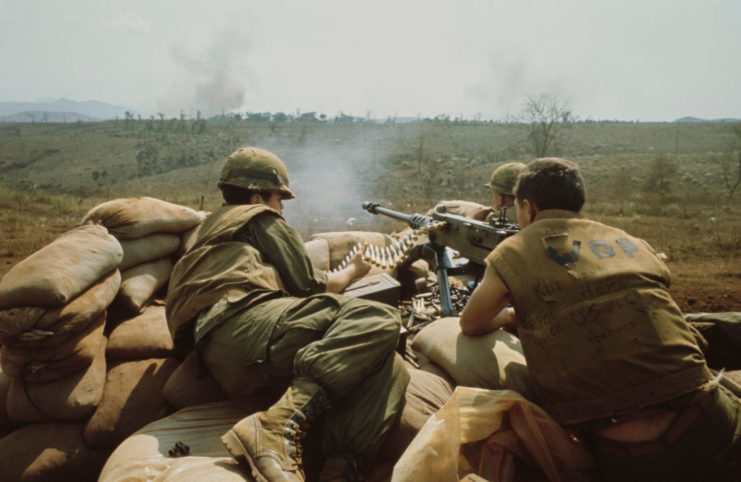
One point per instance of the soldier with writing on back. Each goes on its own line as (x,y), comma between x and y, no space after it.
(608,349)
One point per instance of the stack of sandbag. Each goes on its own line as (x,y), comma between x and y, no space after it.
(141,358)
(52,320)
(146,379)
(151,233)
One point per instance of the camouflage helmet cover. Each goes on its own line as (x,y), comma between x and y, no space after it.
(256,169)
(504,177)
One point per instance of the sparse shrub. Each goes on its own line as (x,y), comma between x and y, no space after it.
(673,211)
(661,172)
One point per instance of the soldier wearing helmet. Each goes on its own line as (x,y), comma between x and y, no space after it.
(262,318)
(502,184)
(253,169)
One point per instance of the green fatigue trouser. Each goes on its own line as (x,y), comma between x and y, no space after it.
(708,450)
(346,345)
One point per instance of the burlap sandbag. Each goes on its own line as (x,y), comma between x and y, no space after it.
(341,242)
(494,360)
(318,251)
(140,337)
(132,397)
(41,327)
(145,454)
(41,365)
(49,451)
(151,247)
(425,395)
(425,364)
(69,399)
(187,387)
(467,209)
(62,269)
(132,218)
(139,283)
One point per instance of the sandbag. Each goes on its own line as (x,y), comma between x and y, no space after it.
(424,364)
(131,218)
(48,451)
(132,397)
(426,393)
(61,270)
(506,425)
(40,327)
(139,283)
(467,209)
(341,242)
(69,399)
(40,365)
(144,455)
(151,247)
(318,251)
(187,387)
(494,360)
(140,337)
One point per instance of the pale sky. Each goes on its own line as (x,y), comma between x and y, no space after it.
(652,60)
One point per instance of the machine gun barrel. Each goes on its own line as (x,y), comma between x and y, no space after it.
(415,221)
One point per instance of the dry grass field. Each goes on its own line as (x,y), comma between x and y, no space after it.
(51,175)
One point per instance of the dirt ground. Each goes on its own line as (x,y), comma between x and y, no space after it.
(707,285)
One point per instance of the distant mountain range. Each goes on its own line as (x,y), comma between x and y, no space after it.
(61,110)
(697,119)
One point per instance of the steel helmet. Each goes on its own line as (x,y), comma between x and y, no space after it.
(504,178)
(256,169)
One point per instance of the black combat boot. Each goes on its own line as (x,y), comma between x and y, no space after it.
(270,441)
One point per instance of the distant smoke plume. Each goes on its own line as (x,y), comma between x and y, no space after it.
(212,81)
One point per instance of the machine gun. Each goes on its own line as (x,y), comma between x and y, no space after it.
(473,239)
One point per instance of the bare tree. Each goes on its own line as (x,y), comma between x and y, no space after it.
(546,116)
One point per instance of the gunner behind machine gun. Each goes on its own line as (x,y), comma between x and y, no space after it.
(473,239)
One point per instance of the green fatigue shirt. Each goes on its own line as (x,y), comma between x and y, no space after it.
(282,246)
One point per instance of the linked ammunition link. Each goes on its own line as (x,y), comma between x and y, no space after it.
(389,256)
